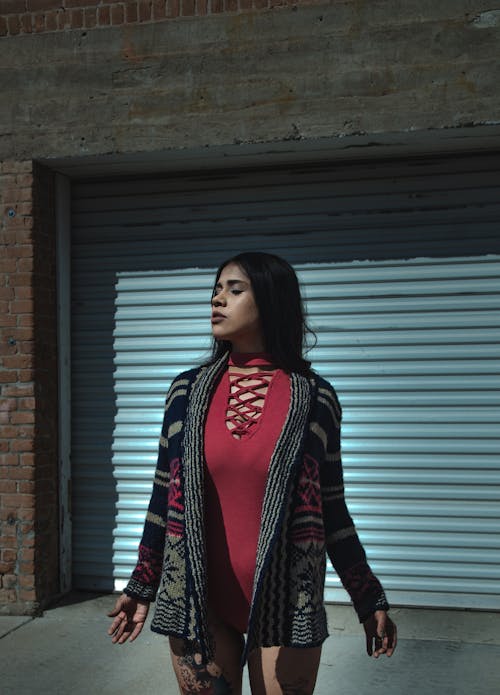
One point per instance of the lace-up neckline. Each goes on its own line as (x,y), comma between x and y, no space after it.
(247,392)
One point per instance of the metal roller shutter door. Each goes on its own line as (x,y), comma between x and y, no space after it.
(411,344)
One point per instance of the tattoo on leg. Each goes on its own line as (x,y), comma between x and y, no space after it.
(197,678)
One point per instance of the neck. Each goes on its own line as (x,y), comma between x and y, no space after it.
(246,346)
(250,359)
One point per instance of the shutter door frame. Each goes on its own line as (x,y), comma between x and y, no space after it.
(158,350)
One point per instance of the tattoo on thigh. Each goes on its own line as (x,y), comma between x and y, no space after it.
(197,678)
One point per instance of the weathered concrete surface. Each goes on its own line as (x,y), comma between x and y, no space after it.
(67,651)
(290,73)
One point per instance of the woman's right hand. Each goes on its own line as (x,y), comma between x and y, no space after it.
(129,617)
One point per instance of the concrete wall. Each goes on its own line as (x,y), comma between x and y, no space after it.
(101,79)
(294,72)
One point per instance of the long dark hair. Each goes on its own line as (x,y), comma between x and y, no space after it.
(277,295)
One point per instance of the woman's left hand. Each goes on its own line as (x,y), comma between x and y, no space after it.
(381,634)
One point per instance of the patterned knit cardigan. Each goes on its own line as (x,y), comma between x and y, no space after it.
(304,515)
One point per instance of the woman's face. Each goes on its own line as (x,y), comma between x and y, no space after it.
(235,316)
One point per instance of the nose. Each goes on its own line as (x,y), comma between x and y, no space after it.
(218,298)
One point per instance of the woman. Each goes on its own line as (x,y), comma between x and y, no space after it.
(247,500)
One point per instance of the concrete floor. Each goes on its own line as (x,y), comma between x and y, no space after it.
(68,652)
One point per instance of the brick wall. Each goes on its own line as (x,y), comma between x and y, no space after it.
(28,378)
(36,16)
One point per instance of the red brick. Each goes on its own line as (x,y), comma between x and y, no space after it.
(24,418)
(26,375)
(27,529)
(173,8)
(39,23)
(131,13)
(11,460)
(26,347)
(22,445)
(27,554)
(76,19)
(12,237)
(51,20)
(9,555)
(159,9)
(18,251)
(27,581)
(13,6)
(9,581)
(8,378)
(104,15)
(16,166)
(20,279)
(117,15)
(8,486)
(18,391)
(35,5)
(26,404)
(6,292)
(23,292)
(19,334)
(22,306)
(27,459)
(17,501)
(26,515)
(8,596)
(14,25)
(8,265)
(24,179)
(144,10)
(8,404)
(18,362)
(90,17)
(9,432)
(81,3)
(26,23)
(25,595)
(26,486)
(25,265)
(63,19)
(188,8)
(19,473)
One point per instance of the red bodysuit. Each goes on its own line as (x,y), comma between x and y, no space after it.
(240,437)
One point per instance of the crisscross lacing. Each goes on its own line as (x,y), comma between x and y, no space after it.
(246,401)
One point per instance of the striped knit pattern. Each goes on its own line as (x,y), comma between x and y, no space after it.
(304,516)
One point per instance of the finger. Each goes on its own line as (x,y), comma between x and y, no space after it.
(136,631)
(393,642)
(116,623)
(381,640)
(369,645)
(119,630)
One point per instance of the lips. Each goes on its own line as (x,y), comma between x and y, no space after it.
(217,317)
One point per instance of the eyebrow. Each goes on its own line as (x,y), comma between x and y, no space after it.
(232,282)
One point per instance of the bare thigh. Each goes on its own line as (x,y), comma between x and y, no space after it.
(219,677)
(283,670)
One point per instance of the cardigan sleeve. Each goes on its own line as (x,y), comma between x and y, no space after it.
(344,548)
(145,579)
